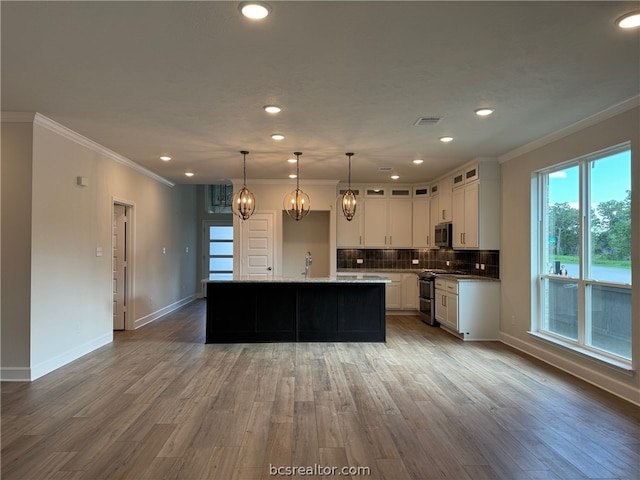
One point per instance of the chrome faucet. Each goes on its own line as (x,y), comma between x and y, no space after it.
(307,263)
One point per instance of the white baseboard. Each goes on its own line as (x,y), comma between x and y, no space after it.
(15,374)
(26,374)
(142,321)
(598,377)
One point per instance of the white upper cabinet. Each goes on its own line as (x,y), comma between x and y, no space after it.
(442,190)
(349,234)
(421,223)
(476,208)
(387,223)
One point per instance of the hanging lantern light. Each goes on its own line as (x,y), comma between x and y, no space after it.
(297,203)
(243,202)
(349,199)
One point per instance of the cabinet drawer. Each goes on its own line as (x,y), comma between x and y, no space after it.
(441,284)
(452,287)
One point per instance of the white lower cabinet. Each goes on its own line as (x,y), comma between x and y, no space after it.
(393,291)
(410,291)
(402,293)
(470,309)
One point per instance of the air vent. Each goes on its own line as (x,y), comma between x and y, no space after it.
(426,121)
(385,169)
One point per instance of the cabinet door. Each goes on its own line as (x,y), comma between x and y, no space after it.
(445,199)
(458,217)
(375,223)
(421,223)
(440,306)
(393,294)
(399,223)
(452,311)
(434,209)
(409,291)
(471,215)
(349,233)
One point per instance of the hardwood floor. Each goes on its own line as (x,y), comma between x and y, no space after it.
(159,404)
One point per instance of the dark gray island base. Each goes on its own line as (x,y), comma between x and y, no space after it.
(290,310)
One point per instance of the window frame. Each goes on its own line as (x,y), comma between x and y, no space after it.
(584,280)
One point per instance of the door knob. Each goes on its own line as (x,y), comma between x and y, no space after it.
(269,268)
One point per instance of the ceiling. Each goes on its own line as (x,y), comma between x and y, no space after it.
(190,79)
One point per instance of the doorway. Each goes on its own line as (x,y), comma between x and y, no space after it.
(257,246)
(121,240)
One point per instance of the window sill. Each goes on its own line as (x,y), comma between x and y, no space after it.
(618,365)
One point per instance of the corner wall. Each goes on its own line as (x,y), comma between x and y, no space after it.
(519,276)
(70,281)
(15,328)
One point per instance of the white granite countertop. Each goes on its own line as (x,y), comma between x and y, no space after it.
(359,278)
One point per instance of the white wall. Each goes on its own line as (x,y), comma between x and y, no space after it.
(71,287)
(17,145)
(311,234)
(269,197)
(516,270)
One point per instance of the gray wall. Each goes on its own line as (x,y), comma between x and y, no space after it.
(517,270)
(70,292)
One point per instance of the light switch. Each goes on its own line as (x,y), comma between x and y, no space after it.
(415,261)
(98,251)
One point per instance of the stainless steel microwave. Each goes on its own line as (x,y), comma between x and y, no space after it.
(443,235)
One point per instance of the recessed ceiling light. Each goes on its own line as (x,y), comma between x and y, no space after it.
(292,160)
(446,138)
(255,10)
(395,177)
(293,175)
(164,158)
(418,161)
(277,136)
(189,174)
(629,20)
(483,112)
(272,109)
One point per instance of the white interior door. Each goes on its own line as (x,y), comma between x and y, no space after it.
(119,266)
(257,245)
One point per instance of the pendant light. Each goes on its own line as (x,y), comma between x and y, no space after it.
(244,202)
(297,203)
(349,199)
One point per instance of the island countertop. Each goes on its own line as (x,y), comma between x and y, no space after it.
(355,278)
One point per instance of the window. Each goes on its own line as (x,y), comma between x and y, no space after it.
(220,259)
(585,252)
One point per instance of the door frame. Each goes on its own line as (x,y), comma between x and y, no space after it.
(238,239)
(129,323)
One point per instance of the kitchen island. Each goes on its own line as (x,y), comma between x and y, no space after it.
(282,309)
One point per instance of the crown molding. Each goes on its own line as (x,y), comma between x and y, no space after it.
(45,122)
(289,181)
(573,128)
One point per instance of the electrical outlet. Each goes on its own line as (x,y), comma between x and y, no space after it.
(477,266)
(186,249)
(164,250)
(359,261)
(415,261)
(513,319)
(447,263)
(482,266)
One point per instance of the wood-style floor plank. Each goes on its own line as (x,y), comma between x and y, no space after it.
(158,403)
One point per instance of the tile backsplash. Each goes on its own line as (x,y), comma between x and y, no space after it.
(402,259)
